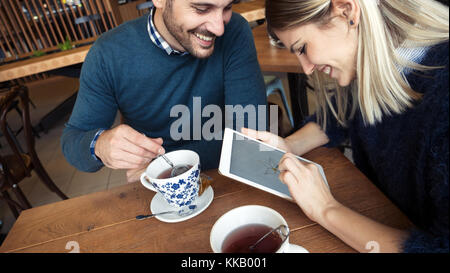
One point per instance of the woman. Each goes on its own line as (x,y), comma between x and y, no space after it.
(388,65)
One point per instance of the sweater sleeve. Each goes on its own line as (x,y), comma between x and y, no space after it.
(95,108)
(435,236)
(243,81)
(336,133)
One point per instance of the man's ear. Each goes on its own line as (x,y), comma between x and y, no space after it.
(348,10)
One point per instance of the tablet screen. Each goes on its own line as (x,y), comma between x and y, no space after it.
(256,162)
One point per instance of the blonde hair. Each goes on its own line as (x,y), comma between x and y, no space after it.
(380,88)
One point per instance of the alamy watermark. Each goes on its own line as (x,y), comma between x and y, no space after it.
(73,246)
(234,116)
(373,247)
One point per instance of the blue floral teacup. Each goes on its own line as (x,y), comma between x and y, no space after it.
(179,191)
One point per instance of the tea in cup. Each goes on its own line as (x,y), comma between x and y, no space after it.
(239,229)
(181,190)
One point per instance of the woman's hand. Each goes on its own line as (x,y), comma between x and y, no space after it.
(306,186)
(268,138)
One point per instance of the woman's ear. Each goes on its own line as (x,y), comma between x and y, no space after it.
(159,3)
(348,10)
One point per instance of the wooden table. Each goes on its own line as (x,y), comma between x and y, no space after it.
(251,10)
(44,63)
(49,62)
(273,59)
(105,221)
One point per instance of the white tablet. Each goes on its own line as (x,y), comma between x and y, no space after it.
(254,163)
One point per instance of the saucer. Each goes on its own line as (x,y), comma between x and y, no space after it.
(296,249)
(159,204)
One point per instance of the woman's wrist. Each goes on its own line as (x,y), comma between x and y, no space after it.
(325,216)
(289,145)
(306,139)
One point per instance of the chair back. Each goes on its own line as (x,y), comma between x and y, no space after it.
(143,7)
(7,99)
(91,25)
(5,181)
(33,27)
(6,177)
(3,171)
(20,163)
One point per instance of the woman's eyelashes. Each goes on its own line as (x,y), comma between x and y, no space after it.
(302,50)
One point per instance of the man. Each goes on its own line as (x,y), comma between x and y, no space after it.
(184,49)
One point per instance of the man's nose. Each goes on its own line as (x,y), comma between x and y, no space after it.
(307,66)
(216,23)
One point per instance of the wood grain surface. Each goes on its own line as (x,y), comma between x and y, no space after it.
(251,10)
(105,221)
(41,64)
(273,59)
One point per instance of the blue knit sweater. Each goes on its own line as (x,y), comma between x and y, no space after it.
(406,155)
(125,71)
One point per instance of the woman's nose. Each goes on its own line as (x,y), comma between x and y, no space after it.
(307,66)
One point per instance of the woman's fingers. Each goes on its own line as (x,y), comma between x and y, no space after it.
(305,184)
(249,132)
(288,179)
(263,136)
(255,134)
(292,167)
(289,162)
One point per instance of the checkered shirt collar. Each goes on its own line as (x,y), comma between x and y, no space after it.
(157,39)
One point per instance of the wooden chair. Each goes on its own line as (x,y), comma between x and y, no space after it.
(143,7)
(274,85)
(4,185)
(18,165)
(92,25)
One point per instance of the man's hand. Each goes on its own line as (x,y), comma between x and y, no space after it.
(134,175)
(125,148)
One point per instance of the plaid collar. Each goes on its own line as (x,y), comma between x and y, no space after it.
(157,39)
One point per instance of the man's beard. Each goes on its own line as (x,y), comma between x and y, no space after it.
(184,39)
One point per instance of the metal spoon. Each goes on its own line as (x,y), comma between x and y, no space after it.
(183,212)
(176,170)
(252,247)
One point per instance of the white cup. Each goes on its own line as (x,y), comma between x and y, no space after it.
(179,191)
(246,215)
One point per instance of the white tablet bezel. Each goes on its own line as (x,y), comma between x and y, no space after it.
(225,163)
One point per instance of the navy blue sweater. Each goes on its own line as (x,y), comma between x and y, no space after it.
(125,71)
(406,155)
